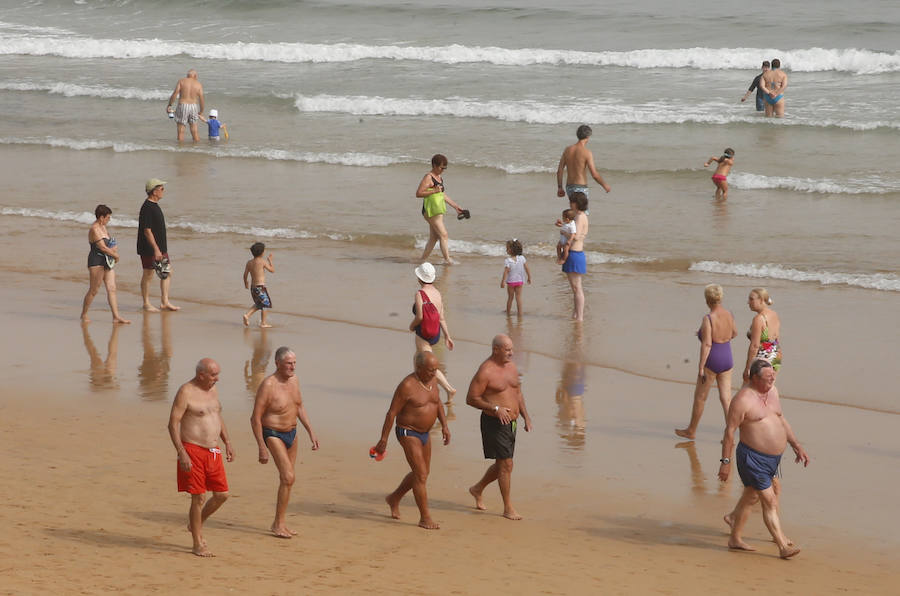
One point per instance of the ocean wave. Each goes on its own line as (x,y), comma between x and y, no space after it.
(39,30)
(870,281)
(498,249)
(74,90)
(855,61)
(86,217)
(853,186)
(535,112)
(345,159)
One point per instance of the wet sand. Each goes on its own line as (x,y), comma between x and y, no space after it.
(613,502)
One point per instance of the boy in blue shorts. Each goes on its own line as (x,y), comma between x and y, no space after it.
(214,125)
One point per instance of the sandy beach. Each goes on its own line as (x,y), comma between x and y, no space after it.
(612,501)
(335,109)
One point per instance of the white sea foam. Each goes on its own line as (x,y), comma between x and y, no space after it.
(534,112)
(856,61)
(34,29)
(871,281)
(74,90)
(346,159)
(496,249)
(85,217)
(853,186)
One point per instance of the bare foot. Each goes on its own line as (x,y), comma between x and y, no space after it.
(200,538)
(479,503)
(202,551)
(282,532)
(450,395)
(729,519)
(121,321)
(451,262)
(511,514)
(246,320)
(169,306)
(739,545)
(394,504)
(150,308)
(264,326)
(429,524)
(683,432)
(787,540)
(789,552)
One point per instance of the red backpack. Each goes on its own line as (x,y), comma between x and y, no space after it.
(431,318)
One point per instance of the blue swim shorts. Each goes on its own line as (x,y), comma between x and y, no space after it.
(760,104)
(756,469)
(576,263)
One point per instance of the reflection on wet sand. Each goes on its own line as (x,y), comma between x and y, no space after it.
(255,367)
(698,479)
(153,371)
(570,393)
(102,374)
(521,355)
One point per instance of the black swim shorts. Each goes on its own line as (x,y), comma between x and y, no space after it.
(497,439)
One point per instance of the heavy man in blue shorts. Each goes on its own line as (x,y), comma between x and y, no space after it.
(765,432)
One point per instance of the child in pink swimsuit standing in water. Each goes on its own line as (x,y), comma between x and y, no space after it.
(720,178)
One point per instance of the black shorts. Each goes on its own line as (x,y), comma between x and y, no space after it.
(498,440)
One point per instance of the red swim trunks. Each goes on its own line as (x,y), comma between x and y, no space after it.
(719,178)
(207,471)
(147,261)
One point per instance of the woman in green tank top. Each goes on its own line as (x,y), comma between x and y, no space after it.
(434,205)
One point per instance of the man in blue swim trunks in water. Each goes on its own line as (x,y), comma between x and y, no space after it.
(276,409)
(575,159)
(765,432)
(416,405)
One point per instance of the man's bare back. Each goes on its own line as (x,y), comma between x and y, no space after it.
(574,161)
(189,90)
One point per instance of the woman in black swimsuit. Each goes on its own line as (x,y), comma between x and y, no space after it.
(101,260)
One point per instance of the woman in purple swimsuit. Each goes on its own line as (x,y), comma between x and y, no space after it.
(715,334)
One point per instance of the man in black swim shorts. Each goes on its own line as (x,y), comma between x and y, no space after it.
(496,391)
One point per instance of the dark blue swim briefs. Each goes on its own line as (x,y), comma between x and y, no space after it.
(286,437)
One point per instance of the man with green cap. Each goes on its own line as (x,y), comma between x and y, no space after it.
(152,246)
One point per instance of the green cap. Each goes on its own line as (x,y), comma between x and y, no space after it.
(153,183)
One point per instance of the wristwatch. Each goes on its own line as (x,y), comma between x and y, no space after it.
(725,460)
(496,408)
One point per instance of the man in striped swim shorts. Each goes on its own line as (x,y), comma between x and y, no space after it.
(189,92)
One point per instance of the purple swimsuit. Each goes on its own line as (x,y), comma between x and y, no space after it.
(719,359)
